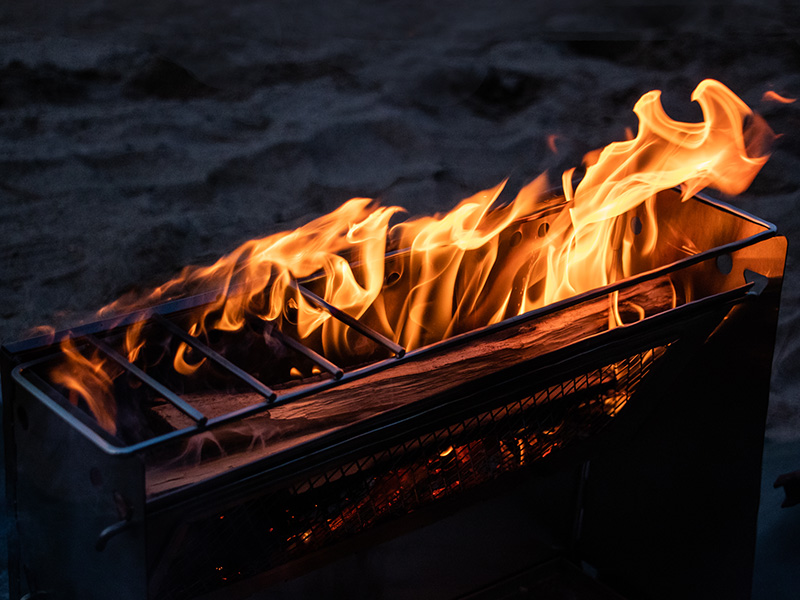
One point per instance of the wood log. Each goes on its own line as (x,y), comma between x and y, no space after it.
(401,384)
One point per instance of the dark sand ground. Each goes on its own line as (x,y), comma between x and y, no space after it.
(138,137)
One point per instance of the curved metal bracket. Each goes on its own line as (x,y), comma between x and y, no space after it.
(758,280)
(125,511)
(111,531)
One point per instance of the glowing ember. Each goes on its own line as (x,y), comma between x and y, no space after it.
(453,274)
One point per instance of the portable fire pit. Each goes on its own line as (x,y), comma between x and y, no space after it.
(619,427)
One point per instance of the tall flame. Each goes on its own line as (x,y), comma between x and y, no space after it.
(90,379)
(454,274)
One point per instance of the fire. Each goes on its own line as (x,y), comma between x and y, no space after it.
(551,142)
(90,379)
(471,267)
(771,96)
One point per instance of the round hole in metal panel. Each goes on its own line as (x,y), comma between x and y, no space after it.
(516,238)
(543,229)
(636,225)
(724,263)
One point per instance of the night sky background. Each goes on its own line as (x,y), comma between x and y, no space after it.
(139,137)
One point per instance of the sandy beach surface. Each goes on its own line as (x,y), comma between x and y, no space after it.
(136,137)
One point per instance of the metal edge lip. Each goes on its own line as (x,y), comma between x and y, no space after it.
(166,308)
(729,208)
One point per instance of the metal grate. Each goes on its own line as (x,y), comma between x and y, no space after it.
(319,510)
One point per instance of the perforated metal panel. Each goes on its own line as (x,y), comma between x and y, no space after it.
(337,503)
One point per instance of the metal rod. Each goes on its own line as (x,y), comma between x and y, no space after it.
(216,357)
(171,397)
(342,316)
(310,354)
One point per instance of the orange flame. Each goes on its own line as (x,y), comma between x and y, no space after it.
(551,142)
(179,363)
(455,274)
(770,96)
(89,379)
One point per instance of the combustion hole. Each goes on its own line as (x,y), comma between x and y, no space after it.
(515,239)
(636,225)
(392,278)
(543,229)
(96,477)
(22,417)
(724,263)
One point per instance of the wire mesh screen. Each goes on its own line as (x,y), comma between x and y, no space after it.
(316,511)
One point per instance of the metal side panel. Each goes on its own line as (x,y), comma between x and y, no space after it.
(79,510)
(672,513)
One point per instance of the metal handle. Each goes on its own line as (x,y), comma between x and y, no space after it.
(109,532)
(125,511)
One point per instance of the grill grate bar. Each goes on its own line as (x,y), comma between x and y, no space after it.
(167,394)
(674,316)
(342,316)
(216,357)
(310,354)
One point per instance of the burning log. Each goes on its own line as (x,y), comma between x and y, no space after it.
(412,380)
(401,384)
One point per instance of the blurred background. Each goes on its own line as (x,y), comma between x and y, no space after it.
(136,137)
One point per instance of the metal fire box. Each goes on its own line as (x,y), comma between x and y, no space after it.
(632,453)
